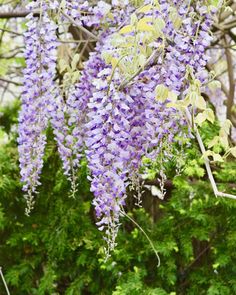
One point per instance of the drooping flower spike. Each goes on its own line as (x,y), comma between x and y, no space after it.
(114,124)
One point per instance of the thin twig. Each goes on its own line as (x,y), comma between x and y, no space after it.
(17,13)
(79,26)
(145,234)
(4,281)
(75,41)
(230,98)
(149,60)
(11,82)
(10,32)
(223,87)
(24,13)
(228,13)
(206,160)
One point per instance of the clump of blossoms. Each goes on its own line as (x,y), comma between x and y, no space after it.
(124,116)
(40,55)
(41,99)
(123,107)
(116,139)
(78,95)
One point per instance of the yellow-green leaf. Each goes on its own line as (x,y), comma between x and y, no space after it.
(114,62)
(224,141)
(210,115)
(75,77)
(217,158)
(172,96)
(133,19)
(215,84)
(107,57)
(233,151)
(62,65)
(226,126)
(193,96)
(145,8)
(142,60)
(200,118)
(200,103)
(159,22)
(75,60)
(126,29)
(161,92)
(159,25)
(207,154)
(175,18)
(213,142)
(142,26)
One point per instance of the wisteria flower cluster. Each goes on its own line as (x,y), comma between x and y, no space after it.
(40,55)
(120,109)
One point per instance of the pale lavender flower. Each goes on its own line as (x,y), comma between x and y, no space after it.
(40,55)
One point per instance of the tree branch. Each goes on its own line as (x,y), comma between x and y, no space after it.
(10,32)
(10,81)
(223,88)
(226,14)
(4,281)
(139,71)
(206,160)
(230,100)
(17,13)
(24,13)
(83,29)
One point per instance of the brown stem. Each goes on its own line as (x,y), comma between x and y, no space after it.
(223,88)
(230,97)
(17,13)
(10,81)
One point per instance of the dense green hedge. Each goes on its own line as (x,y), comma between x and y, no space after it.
(58,250)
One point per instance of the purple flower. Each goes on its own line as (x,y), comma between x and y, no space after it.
(40,55)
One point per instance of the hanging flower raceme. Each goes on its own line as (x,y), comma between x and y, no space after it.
(108,151)
(123,126)
(80,93)
(127,123)
(120,110)
(40,55)
(41,98)
(76,109)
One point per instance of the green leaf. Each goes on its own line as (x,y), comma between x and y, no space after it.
(213,142)
(75,61)
(215,84)
(233,151)
(210,115)
(127,29)
(217,158)
(200,118)
(145,8)
(161,92)
(199,102)
(159,25)
(142,25)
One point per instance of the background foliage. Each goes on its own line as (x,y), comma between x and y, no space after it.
(58,250)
